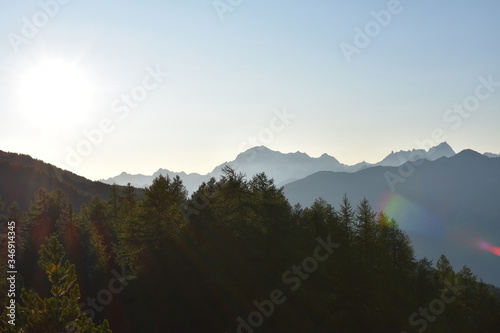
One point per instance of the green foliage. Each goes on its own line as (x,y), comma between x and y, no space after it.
(160,211)
(61,275)
(14,213)
(60,312)
(200,262)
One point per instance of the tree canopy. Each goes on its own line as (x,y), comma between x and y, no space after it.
(234,256)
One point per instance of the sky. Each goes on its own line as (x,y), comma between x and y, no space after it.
(101,87)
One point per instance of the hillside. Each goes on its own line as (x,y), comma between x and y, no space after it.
(21,175)
(446,206)
(242,253)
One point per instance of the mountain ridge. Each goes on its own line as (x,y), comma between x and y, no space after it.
(458,196)
(282,167)
(446,205)
(22,175)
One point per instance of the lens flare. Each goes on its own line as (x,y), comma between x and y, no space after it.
(485,246)
(411,216)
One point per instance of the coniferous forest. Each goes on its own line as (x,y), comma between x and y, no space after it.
(234,256)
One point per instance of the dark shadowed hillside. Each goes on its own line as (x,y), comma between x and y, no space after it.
(21,175)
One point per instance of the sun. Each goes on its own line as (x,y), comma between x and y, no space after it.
(54,91)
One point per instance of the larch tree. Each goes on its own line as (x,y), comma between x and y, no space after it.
(60,312)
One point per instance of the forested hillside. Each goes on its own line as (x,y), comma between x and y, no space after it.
(445,206)
(21,176)
(233,257)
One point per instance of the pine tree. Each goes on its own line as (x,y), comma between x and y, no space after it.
(424,281)
(14,213)
(232,207)
(468,282)
(270,204)
(321,219)
(160,210)
(444,272)
(128,200)
(96,232)
(346,215)
(366,234)
(114,200)
(60,312)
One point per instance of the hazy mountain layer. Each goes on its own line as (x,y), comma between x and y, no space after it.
(451,205)
(283,168)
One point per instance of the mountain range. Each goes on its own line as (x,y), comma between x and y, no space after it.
(446,202)
(282,167)
(450,205)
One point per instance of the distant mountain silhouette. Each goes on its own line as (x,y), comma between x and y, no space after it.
(396,159)
(491,155)
(21,176)
(282,167)
(192,180)
(447,206)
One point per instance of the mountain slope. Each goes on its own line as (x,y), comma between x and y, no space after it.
(447,206)
(21,176)
(281,167)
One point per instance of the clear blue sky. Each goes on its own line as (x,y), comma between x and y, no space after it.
(226,79)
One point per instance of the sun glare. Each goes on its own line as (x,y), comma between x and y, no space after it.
(54,91)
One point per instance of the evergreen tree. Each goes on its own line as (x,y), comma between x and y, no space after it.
(232,207)
(114,200)
(14,213)
(200,262)
(444,272)
(271,206)
(366,234)
(128,200)
(160,211)
(467,298)
(60,312)
(346,215)
(425,287)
